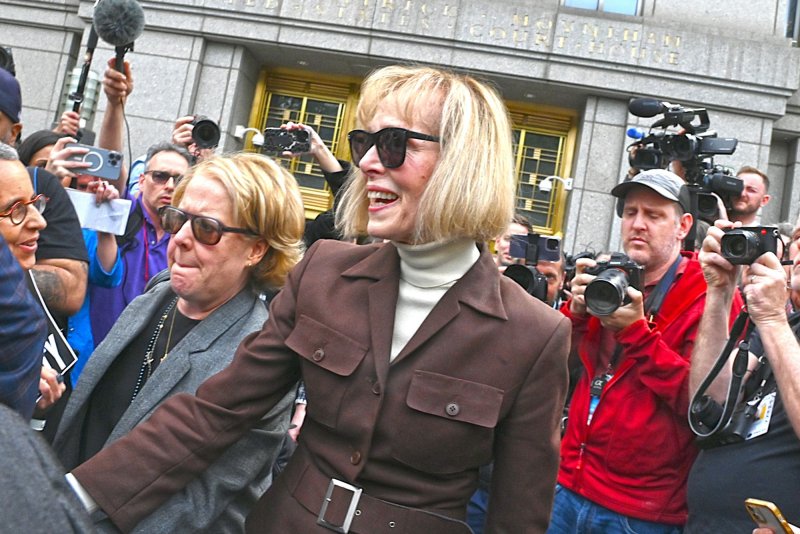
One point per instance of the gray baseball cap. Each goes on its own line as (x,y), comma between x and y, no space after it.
(665,183)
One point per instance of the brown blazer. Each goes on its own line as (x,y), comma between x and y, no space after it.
(483,379)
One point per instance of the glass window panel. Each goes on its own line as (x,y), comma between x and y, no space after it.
(624,7)
(538,157)
(583,4)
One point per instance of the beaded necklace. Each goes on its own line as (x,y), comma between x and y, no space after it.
(147,365)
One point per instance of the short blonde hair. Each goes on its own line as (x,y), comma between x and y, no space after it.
(471,191)
(266,200)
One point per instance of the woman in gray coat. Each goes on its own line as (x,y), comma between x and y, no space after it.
(237,225)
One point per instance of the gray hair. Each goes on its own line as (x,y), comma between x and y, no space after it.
(8,153)
(165,146)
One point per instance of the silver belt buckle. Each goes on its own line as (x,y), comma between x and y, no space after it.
(344,528)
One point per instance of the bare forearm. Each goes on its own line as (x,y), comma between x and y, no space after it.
(111,137)
(106,250)
(783,353)
(62,283)
(711,338)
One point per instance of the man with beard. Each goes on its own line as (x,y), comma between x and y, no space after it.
(744,208)
(627,448)
(143,247)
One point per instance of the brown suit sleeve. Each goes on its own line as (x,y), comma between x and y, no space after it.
(139,472)
(528,441)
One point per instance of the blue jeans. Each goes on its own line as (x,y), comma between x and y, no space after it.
(573,514)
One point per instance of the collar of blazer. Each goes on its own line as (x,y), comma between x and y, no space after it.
(479,288)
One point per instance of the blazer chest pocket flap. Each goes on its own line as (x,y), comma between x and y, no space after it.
(325,347)
(455,398)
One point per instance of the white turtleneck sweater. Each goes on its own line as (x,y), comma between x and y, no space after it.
(426,273)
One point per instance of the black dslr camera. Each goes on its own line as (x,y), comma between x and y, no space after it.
(695,148)
(741,246)
(532,248)
(608,291)
(206,133)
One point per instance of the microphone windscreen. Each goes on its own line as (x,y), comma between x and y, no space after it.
(645,107)
(118,22)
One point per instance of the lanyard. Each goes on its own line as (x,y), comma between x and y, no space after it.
(652,305)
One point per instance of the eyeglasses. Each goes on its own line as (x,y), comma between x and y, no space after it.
(206,230)
(390,142)
(19,209)
(162,177)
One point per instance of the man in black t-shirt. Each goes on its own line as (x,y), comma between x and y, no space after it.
(61,260)
(765,463)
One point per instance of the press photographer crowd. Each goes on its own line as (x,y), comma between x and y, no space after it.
(182,351)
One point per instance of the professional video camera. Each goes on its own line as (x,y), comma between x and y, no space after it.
(695,147)
(608,291)
(532,248)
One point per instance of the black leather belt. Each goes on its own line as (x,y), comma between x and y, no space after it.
(344,508)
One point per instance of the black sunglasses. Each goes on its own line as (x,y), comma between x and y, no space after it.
(206,230)
(390,142)
(162,177)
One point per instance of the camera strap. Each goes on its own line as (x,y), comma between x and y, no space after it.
(654,301)
(652,304)
(700,401)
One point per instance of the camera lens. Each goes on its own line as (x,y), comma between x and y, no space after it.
(739,246)
(606,293)
(205,133)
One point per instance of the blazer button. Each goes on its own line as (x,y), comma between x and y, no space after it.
(355,458)
(318,355)
(376,388)
(452,409)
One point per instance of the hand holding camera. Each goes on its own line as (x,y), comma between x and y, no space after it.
(614,293)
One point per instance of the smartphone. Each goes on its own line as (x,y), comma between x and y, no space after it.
(766,514)
(535,248)
(277,140)
(103,163)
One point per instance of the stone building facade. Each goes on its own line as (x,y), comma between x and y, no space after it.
(567,74)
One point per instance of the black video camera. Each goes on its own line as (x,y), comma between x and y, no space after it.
(206,132)
(608,291)
(695,148)
(741,246)
(533,248)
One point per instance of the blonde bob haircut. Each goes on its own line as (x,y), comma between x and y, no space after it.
(471,191)
(265,199)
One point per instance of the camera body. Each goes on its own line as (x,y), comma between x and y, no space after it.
(529,278)
(741,246)
(104,163)
(205,132)
(278,140)
(532,248)
(608,291)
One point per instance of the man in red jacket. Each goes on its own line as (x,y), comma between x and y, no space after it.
(628,448)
